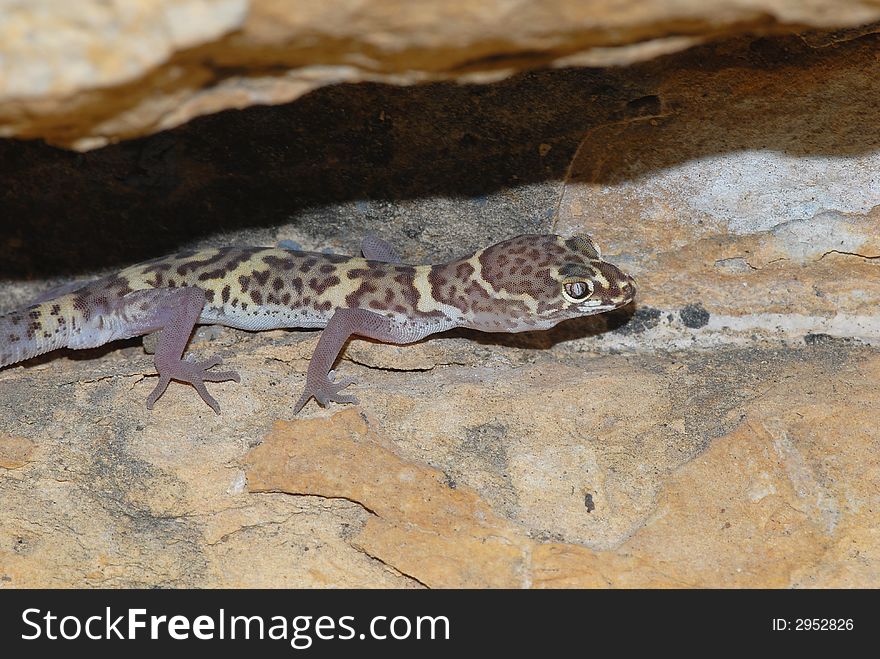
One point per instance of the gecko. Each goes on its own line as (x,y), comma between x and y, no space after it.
(529,282)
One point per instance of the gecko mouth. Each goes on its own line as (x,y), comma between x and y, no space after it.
(625,293)
(599,307)
(627,290)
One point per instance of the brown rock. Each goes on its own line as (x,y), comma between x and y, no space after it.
(423,526)
(15,452)
(721,433)
(755,195)
(737,467)
(789,495)
(104,72)
(771,503)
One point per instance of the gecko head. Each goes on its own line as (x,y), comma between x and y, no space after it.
(555,277)
(587,283)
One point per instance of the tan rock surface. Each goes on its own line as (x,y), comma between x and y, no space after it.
(94,72)
(721,433)
(540,468)
(754,190)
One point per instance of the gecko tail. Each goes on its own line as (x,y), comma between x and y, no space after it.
(34,330)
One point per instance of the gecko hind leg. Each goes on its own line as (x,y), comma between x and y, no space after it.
(169,353)
(174,311)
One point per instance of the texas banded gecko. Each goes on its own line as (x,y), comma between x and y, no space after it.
(525,283)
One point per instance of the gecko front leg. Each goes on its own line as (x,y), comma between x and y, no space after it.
(343,324)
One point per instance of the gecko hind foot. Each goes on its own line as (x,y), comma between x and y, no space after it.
(326,392)
(194,373)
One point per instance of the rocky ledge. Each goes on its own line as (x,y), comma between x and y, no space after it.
(720,432)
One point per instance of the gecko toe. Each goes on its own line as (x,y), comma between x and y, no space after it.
(195,373)
(208,398)
(342,382)
(345,399)
(326,392)
(216,360)
(301,403)
(222,376)
(158,390)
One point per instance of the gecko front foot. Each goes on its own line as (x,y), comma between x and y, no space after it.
(194,373)
(326,391)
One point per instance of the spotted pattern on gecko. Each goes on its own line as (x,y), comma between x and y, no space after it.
(526,283)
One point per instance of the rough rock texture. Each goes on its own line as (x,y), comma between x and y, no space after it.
(87,73)
(509,467)
(720,433)
(755,189)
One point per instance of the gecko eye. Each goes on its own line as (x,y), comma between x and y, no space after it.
(578,291)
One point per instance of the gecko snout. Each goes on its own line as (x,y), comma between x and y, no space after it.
(627,289)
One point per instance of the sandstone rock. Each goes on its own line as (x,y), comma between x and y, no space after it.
(755,192)
(15,452)
(779,498)
(95,72)
(53,49)
(721,433)
(740,467)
